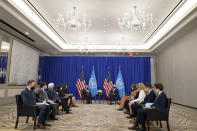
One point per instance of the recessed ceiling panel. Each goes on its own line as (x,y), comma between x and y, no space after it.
(104,15)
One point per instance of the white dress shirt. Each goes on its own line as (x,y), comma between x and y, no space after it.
(140,98)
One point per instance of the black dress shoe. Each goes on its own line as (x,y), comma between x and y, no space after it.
(53,118)
(133,128)
(142,129)
(130,116)
(121,109)
(126,112)
(68,113)
(110,103)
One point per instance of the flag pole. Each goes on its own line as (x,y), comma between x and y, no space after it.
(108,67)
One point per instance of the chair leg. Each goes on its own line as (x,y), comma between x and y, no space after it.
(148,126)
(157,123)
(27,119)
(168,125)
(34,122)
(17,119)
(160,124)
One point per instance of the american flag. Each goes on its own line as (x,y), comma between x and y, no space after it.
(108,84)
(81,83)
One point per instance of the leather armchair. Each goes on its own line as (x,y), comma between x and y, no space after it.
(25,110)
(155,115)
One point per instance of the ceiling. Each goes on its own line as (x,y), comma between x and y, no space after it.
(104,15)
(104,37)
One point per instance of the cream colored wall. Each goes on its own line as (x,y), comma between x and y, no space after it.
(177,69)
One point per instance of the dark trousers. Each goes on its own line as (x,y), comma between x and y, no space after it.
(54,108)
(64,102)
(43,113)
(135,108)
(126,105)
(112,96)
(88,98)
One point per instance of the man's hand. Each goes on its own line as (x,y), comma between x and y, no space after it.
(148,107)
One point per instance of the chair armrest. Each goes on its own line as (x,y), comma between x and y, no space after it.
(154,114)
(27,110)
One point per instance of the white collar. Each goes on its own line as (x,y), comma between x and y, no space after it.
(160,92)
(28,88)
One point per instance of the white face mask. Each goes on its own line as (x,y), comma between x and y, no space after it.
(156,92)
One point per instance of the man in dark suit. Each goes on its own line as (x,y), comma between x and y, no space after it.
(159,105)
(114,93)
(86,94)
(150,98)
(52,95)
(42,96)
(29,98)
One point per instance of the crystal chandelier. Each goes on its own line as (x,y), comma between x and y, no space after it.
(74,21)
(136,21)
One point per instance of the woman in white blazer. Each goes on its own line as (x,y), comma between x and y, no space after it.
(142,95)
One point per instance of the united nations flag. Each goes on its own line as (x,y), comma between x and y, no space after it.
(93,84)
(120,84)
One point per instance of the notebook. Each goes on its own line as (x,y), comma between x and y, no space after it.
(148,104)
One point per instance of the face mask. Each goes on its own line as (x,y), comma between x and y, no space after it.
(33,88)
(156,92)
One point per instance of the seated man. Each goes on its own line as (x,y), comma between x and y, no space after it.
(52,95)
(72,100)
(150,98)
(159,105)
(42,96)
(114,93)
(86,94)
(28,98)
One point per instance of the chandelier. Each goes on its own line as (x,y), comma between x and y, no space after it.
(73,21)
(136,21)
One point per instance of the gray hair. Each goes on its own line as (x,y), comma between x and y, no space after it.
(50,85)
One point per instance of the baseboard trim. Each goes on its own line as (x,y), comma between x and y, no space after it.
(184,105)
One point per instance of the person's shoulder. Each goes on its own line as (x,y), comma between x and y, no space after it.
(39,90)
(24,90)
(163,94)
(152,91)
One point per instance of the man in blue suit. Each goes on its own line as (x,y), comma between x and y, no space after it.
(158,105)
(29,98)
(114,93)
(52,95)
(150,98)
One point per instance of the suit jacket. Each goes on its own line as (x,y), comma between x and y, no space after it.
(150,97)
(28,97)
(85,92)
(42,95)
(114,92)
(160,102)
(52,95)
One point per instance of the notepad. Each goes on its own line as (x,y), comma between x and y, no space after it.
(148,104)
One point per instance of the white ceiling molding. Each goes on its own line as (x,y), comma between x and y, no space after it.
(182,11)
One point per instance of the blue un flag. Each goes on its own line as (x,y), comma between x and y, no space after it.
(93,84)
(120,84)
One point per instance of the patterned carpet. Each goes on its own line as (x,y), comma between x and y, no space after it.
(99,117)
